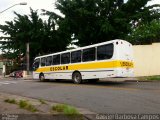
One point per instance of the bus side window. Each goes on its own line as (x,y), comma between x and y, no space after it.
(56,60)
(36,64)
(65,58)
(105,52)
(89,54)
(76,56)
(43,61)
(49,61)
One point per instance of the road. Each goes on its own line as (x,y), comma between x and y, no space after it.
(102,97)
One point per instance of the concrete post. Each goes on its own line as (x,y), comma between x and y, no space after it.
(27,56)
(4,70)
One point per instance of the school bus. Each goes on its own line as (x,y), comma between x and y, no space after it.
(107,59)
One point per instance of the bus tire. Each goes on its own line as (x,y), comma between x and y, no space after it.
(77,77)
(41,77)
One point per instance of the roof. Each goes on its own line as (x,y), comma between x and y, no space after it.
(94,45)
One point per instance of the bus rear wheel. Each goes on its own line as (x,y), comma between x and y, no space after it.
(77,78)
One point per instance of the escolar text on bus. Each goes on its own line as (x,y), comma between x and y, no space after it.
(58,68)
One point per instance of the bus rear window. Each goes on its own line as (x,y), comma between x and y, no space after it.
(104,52)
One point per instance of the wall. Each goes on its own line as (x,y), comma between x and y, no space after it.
(147,59)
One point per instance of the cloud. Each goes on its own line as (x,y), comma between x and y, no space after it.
(153,2)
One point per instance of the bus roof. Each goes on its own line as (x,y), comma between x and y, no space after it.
(80,48)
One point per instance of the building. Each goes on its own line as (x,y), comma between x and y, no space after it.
(7,63)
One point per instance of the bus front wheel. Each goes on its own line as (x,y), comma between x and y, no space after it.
(41,77)
(77,78)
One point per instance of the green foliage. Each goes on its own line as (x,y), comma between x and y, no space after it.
(22,104)
(26,105)
(145,33)
(13,101)
(70,111)
(66,109)
(59,107)
(42,36)
(153,77)
(86,21)
(42,101)
(94,21)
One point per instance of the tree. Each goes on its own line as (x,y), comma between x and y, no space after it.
(42,36)
(145,33)
(94,21)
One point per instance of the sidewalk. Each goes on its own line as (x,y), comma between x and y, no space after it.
(28,77)
(130,79)
(43,109)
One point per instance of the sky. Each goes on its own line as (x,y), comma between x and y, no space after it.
(23,9)
(8,15)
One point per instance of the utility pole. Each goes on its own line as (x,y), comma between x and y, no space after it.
(27,57)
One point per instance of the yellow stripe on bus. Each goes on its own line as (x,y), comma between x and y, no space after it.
(87,66)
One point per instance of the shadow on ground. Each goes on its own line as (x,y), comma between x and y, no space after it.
(86,83)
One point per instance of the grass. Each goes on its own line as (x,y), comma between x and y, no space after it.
(67,110)
(22,104)
(59,107)
(12,101)
(153,77)
(26,105)
(42,101)
(156,77)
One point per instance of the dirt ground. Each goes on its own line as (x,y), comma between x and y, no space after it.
(14,108)
(7,108)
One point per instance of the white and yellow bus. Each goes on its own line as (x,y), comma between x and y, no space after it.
(107,59)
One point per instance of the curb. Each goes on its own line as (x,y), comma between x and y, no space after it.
(142,81)
(87,114)
(7,78)
(138,81)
